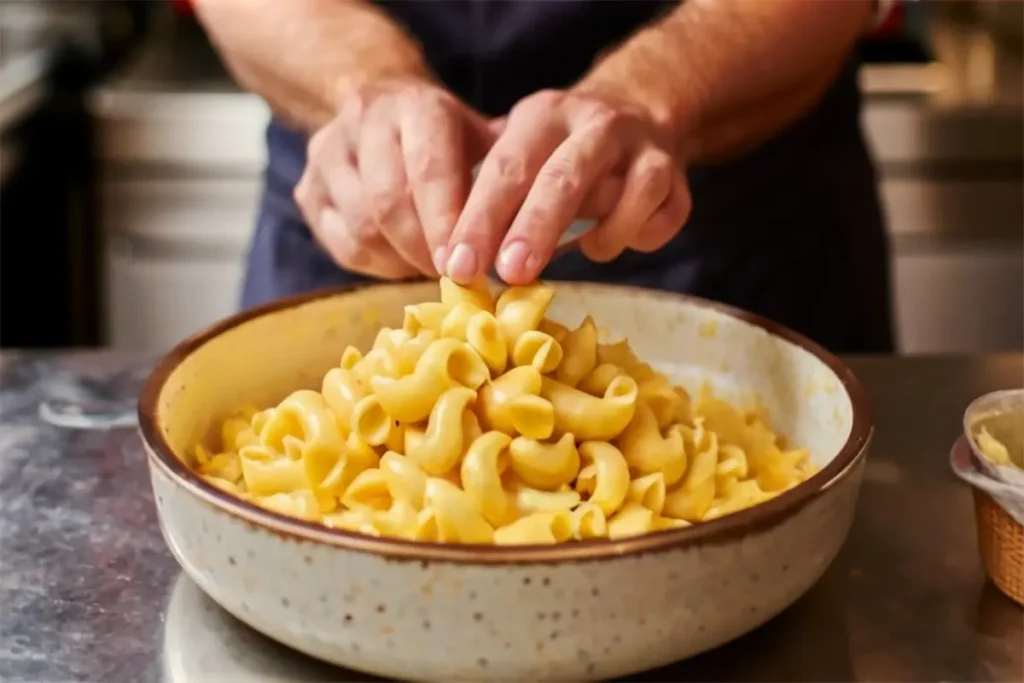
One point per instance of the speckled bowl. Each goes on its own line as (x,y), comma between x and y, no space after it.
(425,611)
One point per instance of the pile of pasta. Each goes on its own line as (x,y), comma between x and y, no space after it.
(484,421)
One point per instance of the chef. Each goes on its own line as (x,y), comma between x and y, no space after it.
(716,143)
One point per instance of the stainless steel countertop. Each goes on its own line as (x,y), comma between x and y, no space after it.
(89,592)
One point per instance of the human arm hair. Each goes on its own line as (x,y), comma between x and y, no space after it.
(722,76)
(303,56)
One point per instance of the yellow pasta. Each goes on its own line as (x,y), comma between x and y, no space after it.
(994,450)
(538,527)
(481,420)
(540,350)
(632,519)
(404,480)
(496,396)
(588,521)
(546,466)
(605,478)
(529,500)
(592,418)
(480,474)
(580,349)
(443,443)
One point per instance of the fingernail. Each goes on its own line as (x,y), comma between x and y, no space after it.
(439,255)
(462,263)
(517,260)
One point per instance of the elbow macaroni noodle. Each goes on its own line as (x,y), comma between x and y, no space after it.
(483,421)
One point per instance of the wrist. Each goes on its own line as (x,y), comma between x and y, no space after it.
(404,62)
(640,75)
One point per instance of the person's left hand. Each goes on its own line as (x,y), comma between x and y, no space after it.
(558,149)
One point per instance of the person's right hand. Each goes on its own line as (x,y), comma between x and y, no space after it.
(387,178)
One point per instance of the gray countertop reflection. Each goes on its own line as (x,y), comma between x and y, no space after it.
(89,592)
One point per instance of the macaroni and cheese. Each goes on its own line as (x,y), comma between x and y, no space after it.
(484,421)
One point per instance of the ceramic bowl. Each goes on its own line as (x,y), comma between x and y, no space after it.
(423,611)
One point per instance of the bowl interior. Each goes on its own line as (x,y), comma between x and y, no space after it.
(259,359)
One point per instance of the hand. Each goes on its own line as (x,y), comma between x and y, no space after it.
(557,155)
(386,180)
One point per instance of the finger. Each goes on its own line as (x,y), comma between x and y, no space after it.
(345,195)
(330,179)
(603,197)
(554,201)
(481,134)
(433,143)
(497,126)
(311,195)
(387,198)
(648,182)
(352,237)
(328,148)
(505,178)
(373,257)
(667,220)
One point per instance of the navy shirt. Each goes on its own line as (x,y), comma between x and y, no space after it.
(792,230)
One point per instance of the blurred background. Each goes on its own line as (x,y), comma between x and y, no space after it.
(130,168)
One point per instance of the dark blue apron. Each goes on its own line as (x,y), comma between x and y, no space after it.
(792,231)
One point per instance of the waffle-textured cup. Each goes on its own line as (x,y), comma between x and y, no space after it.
(1000,536)
(1001,544)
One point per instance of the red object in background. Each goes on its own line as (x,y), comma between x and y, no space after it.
(183,7)
(894,22)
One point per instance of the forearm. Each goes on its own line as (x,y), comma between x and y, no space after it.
(748,127)
(301,56)
(703,71)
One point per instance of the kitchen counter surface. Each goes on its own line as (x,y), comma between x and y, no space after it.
(90,592)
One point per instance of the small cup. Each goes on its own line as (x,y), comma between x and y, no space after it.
(1002,414)
(1000,536)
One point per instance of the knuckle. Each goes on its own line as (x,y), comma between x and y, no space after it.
(317,142)
(363,231)
(540,101)
(356,257)
(354,105)
(549,96)
(432,98)
(385,204)
(327,142)
(425,167)
(602,121)
(303,191)
(655,177)
(308,198)
(562,179)
(406,233)
(360,228)
(511,168)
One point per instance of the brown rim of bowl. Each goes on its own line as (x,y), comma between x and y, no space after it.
(739,523)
